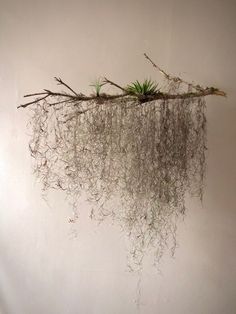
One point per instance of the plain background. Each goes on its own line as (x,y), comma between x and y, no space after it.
(44,268)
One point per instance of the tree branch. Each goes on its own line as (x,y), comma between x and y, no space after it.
(74,97)
(107,97)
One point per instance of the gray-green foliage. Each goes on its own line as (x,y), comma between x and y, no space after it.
(97,85)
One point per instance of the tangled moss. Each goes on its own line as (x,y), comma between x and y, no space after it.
(135,161)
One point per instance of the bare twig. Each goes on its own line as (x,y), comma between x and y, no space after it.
(114,84)
(167,76)
(172,78)
(32,102)
(35,94)
(60,82)
(63,101)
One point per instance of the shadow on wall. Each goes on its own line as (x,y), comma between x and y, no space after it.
(3,305)
(6,288)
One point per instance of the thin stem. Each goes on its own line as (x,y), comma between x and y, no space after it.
(114,84)
(172,78)
(167,76)
(32,102)
(35,94)
(60,82)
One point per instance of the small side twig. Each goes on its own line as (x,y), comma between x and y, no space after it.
(114,84)
(32,102)
(60,82)
(175,79)
(35,94)
(167,76)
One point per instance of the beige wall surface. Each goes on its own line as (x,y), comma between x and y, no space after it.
(44,268)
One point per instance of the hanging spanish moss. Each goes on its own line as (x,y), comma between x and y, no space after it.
(136,155)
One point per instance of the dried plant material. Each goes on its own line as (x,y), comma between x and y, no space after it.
(135,155)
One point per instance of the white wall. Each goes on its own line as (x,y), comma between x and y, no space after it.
(43,267)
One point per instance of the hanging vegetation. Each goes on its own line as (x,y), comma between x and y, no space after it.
(135,154)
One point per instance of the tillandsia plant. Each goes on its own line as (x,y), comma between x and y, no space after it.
(97,85)
(136,154)
(148,87)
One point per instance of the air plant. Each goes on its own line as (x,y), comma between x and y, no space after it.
(148,87)
(97,85)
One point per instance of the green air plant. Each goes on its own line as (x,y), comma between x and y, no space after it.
(148,87)
(97,85)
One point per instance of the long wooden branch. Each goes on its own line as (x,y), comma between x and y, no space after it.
(73,97)
(127,96)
